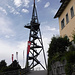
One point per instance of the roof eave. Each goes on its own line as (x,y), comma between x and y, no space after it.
(62,8)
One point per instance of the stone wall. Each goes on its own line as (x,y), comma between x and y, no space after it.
(58,68)
(73,71)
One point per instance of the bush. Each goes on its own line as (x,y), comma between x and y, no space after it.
(70,57)
(71,48)
(3,65)
(68,69)
(58,45)
(13,66)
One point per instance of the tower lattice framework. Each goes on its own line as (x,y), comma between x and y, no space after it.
(35,39)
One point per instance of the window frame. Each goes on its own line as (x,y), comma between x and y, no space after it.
(67,18)
(62,23)
(72,12)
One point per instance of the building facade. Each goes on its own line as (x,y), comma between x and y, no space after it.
(66,16)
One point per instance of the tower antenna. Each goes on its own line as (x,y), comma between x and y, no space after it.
(35,43)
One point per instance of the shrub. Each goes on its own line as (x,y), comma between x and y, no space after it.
(70,57)
(68,69)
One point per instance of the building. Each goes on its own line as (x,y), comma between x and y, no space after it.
(66,16)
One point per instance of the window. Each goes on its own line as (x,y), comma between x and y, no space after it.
(62,24)
(72,12)
(67,18)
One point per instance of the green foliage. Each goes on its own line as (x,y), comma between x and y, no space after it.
(57,50)
(58,57)
(73,36)
(58,45)
(68,69)
(70,57)
(3,65)
(12,66)
(49,67)
(71,48)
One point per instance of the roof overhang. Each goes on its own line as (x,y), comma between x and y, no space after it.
(62,1)
(62,8)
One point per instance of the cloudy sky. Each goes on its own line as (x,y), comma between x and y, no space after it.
(14,14)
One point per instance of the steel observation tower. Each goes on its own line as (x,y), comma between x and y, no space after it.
(35,44)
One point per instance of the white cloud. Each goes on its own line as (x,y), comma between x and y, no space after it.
(53,11)
(22,45)
(46,42)
(48,31)
(3,10)
(5,26)
(49,28)
(25,11)
(17,3)
(9,48)
(7,36)
(26,3)
(13,10)
(47,5)
(38,0)
(5,51)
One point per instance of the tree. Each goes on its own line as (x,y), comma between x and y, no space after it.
(58,45)
(14,66)
(57,48)
(3,65)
